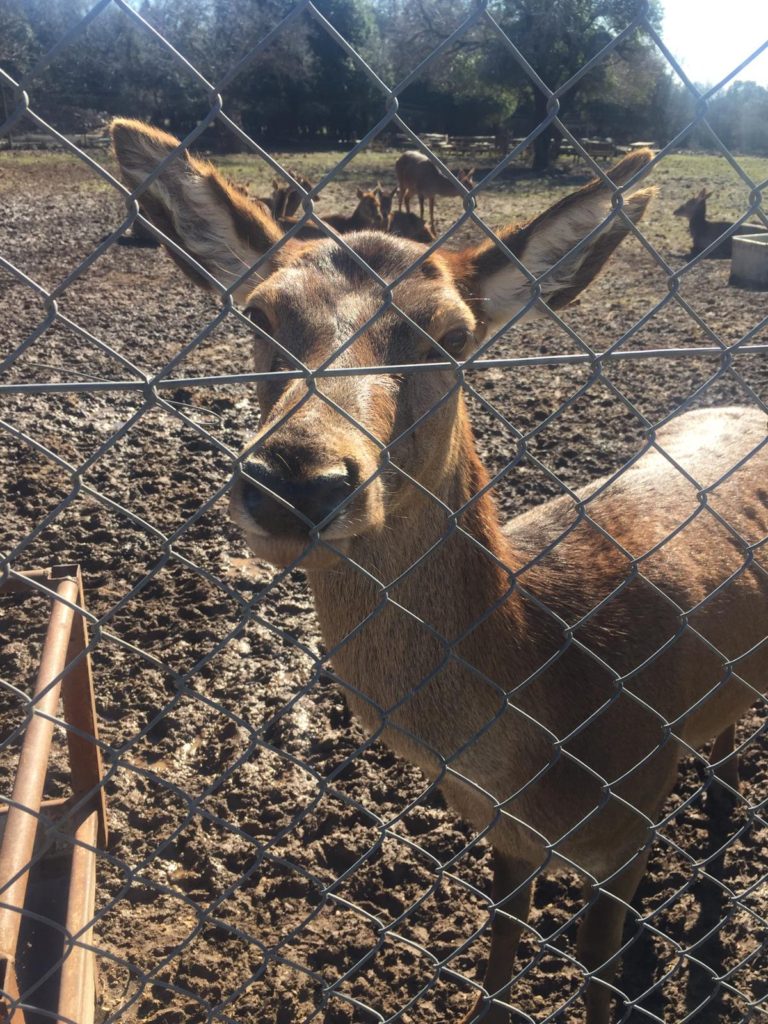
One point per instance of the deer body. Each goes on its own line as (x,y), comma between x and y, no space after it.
(418,176)
(405,225)
(392,655)
(365,216)
(544,678)
(409,225)
(704,232)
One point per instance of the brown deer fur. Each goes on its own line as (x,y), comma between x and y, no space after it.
(386,199)
(409,225)
(704,232)
(286,198)
(548,728)
(418,176)
(405,225)
(365,216)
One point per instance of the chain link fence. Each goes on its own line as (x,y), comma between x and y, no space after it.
(269,859)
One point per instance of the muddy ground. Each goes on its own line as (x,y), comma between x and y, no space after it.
(266,863)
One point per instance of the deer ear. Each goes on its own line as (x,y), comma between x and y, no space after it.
(502,289)
(224,230)
(360,193)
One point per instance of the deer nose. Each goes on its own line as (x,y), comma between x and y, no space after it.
(315,497)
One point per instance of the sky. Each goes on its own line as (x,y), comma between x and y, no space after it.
(710,38)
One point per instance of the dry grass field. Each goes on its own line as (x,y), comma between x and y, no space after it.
(267,862)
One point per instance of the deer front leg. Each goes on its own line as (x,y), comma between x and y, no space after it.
(512,901)
(600,933)
(431,214)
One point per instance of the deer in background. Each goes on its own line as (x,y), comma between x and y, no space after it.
(286,198)
(365,216)
(418,176)
(704,232)
(409,225)
(385,198)
(406,225)
(548,676)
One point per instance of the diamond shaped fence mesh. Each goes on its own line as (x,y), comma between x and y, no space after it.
(446,724)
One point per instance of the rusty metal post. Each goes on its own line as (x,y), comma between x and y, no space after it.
(21,824)
(79,702)
(77,994)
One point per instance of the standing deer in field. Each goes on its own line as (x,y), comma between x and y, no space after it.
(549,671)
(704,232)
(417,175)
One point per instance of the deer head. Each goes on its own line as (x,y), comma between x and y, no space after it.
(336,458)
(693,205)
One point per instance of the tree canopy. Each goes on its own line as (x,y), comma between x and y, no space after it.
(302,86)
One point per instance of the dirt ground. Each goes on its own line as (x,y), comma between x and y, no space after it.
(267,863)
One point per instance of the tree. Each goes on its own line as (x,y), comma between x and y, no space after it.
(17,48)
(558,38)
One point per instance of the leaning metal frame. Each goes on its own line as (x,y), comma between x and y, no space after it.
(65,674)
(153,386)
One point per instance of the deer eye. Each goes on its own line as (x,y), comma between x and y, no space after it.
(454,342)
(259,319)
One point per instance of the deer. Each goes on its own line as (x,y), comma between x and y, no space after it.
(286,198)
(409,225)
(549,672)
(704,232)
(406,225)
(366,215)
(385,198)
(417,175)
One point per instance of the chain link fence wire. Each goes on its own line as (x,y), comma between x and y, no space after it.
(269,859)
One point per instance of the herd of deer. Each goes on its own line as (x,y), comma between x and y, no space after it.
(416,176)
(550,671)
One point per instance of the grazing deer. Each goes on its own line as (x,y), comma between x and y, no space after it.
(549,672)
(417,175)
(704,232)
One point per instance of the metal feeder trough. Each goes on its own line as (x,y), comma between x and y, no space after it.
(749,262)
(64,673)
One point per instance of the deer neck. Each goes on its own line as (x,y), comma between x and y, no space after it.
(435,582)
(698,220)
